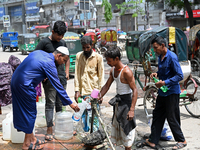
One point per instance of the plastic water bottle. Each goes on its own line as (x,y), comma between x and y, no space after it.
(82,105)
(164,88)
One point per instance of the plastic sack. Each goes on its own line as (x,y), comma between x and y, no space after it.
(166,133)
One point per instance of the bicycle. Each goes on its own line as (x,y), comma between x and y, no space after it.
(189,99)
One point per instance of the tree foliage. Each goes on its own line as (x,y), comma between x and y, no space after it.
(131,5)
(108,11)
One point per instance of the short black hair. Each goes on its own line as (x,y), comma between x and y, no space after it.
(113,52)
(59,27)
(86,40)
(160,40)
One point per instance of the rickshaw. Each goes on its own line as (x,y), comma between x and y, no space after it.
(74,45)
(108,39)
(9,41)
(177,40)
(194,45)
(132,47)
(94,40)
(27,42)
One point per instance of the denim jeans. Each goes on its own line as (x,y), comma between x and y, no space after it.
(52,99)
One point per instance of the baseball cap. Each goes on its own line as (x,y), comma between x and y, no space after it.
(63,50)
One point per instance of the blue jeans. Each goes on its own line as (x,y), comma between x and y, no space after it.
(87,121)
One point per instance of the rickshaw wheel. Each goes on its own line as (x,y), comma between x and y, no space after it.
(195,66)
(193,107)
(4,49)
(149,100)
(23,52)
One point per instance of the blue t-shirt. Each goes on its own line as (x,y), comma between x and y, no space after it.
(169,70)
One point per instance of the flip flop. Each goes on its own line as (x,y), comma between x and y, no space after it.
(179,146)
(39,142)
(35,148)
(50,137)
(143,143)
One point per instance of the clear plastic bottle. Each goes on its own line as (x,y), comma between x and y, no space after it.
(164,88)
(82,105)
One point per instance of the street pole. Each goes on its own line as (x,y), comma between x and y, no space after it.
(25,17)
(148,25)
(145,24)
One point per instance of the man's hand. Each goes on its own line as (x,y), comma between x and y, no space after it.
(160,83)
(77,95)
(75,107)
(67,76)
(45,80)
(130,115)
(100,99)
(153,75)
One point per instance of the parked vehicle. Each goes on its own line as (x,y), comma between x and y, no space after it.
(74,46)
(9,40)
(194,46)
(132,47)
(27,42)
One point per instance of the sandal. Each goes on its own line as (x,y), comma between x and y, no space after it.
(48,137)
(39,142)
(179,146)
(37,147)
(144,143)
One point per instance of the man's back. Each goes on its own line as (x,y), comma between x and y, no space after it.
(32,68)
(50,46)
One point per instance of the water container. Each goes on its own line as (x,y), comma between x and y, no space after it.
(40,119)
(6,127)
(77,115)
(63,126)
(95,93)
(16,137)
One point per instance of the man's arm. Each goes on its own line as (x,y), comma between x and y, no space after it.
(100,71)
(76,80)
(67,64)
(40,46)
(128,75)
(106,87)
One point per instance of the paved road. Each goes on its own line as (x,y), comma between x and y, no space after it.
(190,125)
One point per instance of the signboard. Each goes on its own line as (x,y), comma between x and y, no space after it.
(173,15)
(196,14)
(32,9)
(98,2)
(6,21)
(76,22)
(76,3)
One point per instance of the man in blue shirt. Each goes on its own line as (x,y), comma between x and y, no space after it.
(38,66)
(167,104)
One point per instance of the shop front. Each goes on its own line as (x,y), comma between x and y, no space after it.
(196,16)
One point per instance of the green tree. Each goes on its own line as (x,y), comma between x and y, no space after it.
(108,10)
(131,5)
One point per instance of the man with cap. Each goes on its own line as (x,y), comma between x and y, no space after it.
(38,66)
(49,45)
